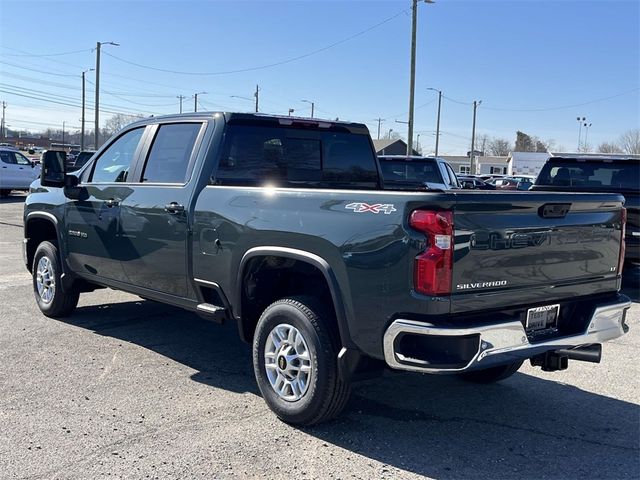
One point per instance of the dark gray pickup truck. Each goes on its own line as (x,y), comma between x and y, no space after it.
(284,226)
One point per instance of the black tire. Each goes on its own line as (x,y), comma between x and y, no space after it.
(61,303)
(326,394)
(493,374)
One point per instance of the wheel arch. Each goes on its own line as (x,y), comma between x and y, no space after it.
(305,257)
(39,227)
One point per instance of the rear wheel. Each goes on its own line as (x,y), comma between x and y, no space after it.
(52,301)
(295,351)
(493,374)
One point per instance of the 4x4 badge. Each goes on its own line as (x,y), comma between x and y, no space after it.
(359,207)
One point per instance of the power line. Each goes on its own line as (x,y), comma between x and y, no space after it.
(262,67)
(25,54)
(547,109)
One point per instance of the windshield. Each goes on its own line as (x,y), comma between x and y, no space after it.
(619,175)
(415,172)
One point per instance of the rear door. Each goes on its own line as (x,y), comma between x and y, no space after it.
(515,248)
(154,218)
(93,221)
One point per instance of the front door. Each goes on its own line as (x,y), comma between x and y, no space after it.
(92,226)
(154,220)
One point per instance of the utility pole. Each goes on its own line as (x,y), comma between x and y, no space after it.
(97,105)
(412,80)
(472,156)
(257,95)
(63,134)
(195,100)
(83,105)
(380,120)
(3,133)
(181,97)
(312,106)
(438,121)
(412,77)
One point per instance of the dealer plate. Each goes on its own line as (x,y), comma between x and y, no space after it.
(542,317)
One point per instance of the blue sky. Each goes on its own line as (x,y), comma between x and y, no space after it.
(515,56)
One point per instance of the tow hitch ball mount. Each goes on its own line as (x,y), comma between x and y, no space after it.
(559,359)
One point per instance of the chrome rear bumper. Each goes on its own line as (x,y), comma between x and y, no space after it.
(502,343)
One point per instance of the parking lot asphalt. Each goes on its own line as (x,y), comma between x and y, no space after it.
(127,388)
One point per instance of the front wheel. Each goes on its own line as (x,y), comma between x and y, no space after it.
(295,351)
(52,301)
(493,374)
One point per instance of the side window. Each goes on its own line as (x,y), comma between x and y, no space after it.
(7,157)
(22,160)
(113,164)
(349,159)
(452,176)
(170,153)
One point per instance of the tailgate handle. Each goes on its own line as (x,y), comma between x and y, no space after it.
(554,210)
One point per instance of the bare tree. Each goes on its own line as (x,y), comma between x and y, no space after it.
(630,142)
(118,121)
(499,147)
(481,143)
(608,147)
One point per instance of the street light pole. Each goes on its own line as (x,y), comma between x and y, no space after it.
(180,97)
(291,110)
(472,156)
(438,121)
(580,121)
(97,105)
(586,135)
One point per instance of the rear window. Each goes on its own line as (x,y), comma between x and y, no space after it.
(293,157)
(597,175)
(410,172)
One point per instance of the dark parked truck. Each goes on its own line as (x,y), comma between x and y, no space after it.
(283,225)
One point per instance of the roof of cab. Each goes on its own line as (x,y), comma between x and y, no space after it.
(250,117)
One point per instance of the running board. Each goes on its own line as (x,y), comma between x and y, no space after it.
(212,312)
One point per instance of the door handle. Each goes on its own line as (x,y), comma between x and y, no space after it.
(174,208)
(112,202)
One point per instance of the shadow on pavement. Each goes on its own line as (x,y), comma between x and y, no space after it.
(13,198)
(525,427)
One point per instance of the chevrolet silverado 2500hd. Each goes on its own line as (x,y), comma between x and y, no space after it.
(284,226)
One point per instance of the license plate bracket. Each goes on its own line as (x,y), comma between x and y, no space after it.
(542,318)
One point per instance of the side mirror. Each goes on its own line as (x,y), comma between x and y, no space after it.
(54,168)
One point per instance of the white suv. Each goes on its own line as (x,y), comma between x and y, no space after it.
(16,171)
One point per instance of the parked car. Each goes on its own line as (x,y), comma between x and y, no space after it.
(474,183)
(282,226)
(600,174)
(523,178)
(410,171)
(503,183)
(16,171)
(80,159)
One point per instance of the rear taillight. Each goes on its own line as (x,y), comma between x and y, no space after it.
(623,232)
(432,268)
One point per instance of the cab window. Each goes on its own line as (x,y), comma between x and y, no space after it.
(170,153)
(113,164)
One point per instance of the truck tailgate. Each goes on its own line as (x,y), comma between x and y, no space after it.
(518,248)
